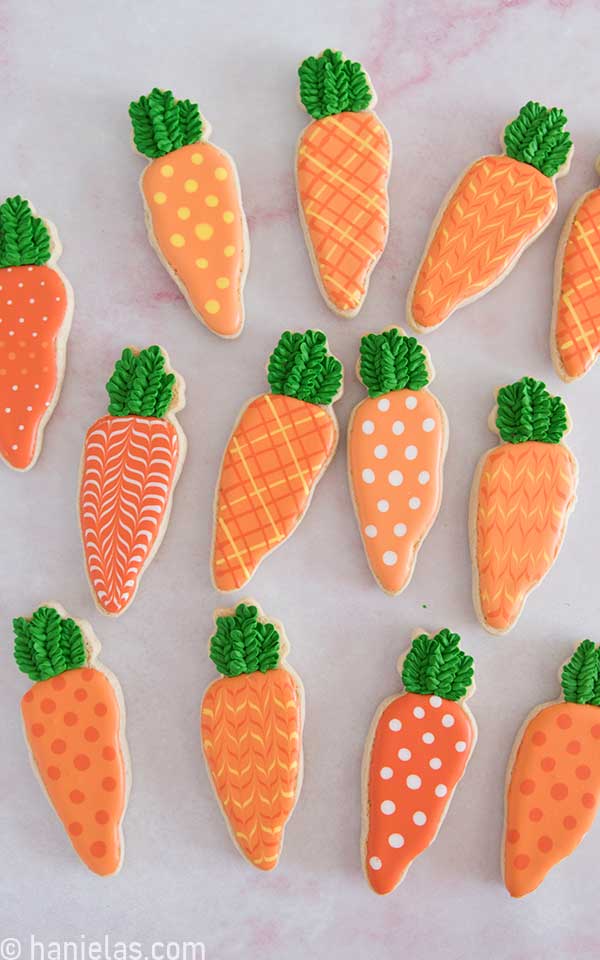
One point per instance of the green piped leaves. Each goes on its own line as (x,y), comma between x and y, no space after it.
(580,677)
(526,411)
(47,644)
(162,124)
(537,137)
(392,361)
(437,666)
(140,385)
(301,366)
(331,84)
(24,239)
(244,644)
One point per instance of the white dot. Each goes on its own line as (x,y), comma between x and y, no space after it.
(7,409)
(441,790)
(390,558)
(20,283)
(395,725)
(375,863)
(9,302)
(395,478)
(435,763)
(383,506)
(424,477)
(371,530)
(413,781)
(397,427)
(20,427)
(388,807)
(57,299)
(44,319)
(11,333)
(383,404)
(29,409)
(419,818)
(42,283)
(400,529)
(411,403)
(368,426)
(414,503)
(21,319)
(396,840)
(386,773)
(447,720)
(404,754)
(34,333)
(14,447)
(36,386)
(435,701)
(368,476)
(411,452)
(428,425)
(460,746)
(419,713)
(15,387)
(29,269)
(31,300)
(381,451)
(428,738)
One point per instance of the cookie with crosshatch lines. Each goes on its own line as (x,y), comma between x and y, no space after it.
(280,448)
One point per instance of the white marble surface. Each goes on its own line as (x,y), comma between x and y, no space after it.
(448,74)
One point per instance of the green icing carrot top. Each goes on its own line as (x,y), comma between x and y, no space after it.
(580,677)
(162,124)
(331,84)
(244,644)
(526,411)
(140,385)
(47,644)
(391,361)
(301,367)
(537,137)
(436,665)
(24,239)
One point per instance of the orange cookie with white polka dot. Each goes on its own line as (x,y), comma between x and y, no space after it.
(74,724)
(36,306)
(194,212)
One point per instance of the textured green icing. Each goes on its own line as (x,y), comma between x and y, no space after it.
(580,677)
(300,366)
(244,644)
(162,124)
(537,137)
(139,384)
(24,239)
(390,361)
(331,84)
(437,666)
(47,644)
(526,411)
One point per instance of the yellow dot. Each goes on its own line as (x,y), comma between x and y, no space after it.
(202,262)
(197,158)
(160,197)
(221,173)
(222,283)
(211,200)
(203,231)
(228,216)
(190,186)
(177,240)
(167,170)
(183,213)
(229,251)
(212,306)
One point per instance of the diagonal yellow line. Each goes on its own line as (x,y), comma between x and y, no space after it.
(233,547)
(371,201)
(287,442)
(573,313)
(354,297)
(238,450)
(344,233)
(363,142)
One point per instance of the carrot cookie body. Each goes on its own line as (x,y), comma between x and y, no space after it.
(73,721)
(342,169)
(397,440)
(193,208)
(499,206)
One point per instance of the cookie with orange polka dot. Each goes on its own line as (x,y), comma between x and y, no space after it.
(193,205)
(74,725)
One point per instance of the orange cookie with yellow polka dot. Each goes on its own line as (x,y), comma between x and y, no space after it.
(74,724)
(194,212)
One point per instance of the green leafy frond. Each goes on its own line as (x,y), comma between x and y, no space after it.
(139,384)
(437,666)
(331,84)
(392,361)
(47,644)
(526,411)
(537,137)
(579,677)
(243,644)
(24,239)
(162,124)
(301,367)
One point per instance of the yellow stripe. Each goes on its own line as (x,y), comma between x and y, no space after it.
(233,547)
(573,313)
(344,233)
(238,450)
(363,143)
(354,297)
(287,442)
(371,201)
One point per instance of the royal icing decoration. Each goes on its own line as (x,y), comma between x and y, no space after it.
(193,208)
(251,727)
(278,451)
(74,727)
(131,462)
(554,780)
(500,205)
(523,493)
(36,304)
(397,442)
(417,751)
(342,169)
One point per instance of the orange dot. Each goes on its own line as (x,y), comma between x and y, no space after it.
(513,836)
(108,753)
(87,674)
(521,861)
(28,697)
(535,814)
(70,718)
(527,787)
(76,796)
(81,761)
(98,849)
(564,721)
(548,763)
(583,772)
(101,816)
(75,829)
(573,746)
(109,784)
(569,823)
(539,738)
(53,773)
(38,729)
(596,731)
(559,791)
(58,746)
(588,800)
(91,734)
(59,683)
(80,694)
(545,844)
(100,709)
(47,705)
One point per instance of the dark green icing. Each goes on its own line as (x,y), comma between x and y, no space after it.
(537,137)
(24,239)
(526,411)
(47,644)
(162,124)
(331,84)
(244,644)
(580,677)
(139,384)
(437,666)
(390,361)
(300,366)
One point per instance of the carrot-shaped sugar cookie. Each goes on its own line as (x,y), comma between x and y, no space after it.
(498,207)
(74,724)
(397,440)
(417,750)
(342,169)
(131,462)
(36,305)
(194,212)
(575,339)
(554,777)
(251,726)
(280,448)
(522,495)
